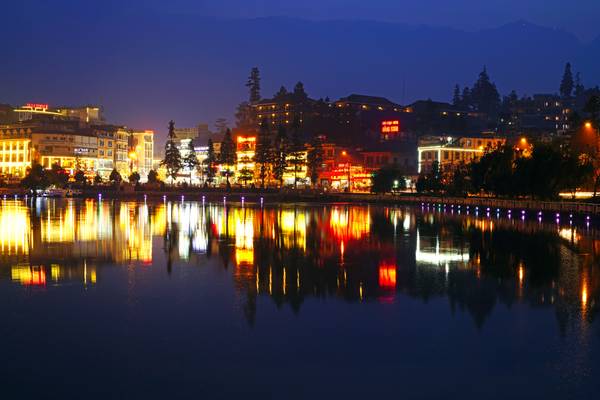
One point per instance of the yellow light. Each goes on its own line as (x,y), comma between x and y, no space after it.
(523,140)
(344,153)
(588,125)
(132,155)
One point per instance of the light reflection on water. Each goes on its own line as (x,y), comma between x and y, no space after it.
(357,253)
(292,254)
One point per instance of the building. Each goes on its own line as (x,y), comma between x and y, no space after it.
(245,165)
(88,114)
(107,135)
(122,162)
(71,149)
(450,152)
(141,155)
(15,151)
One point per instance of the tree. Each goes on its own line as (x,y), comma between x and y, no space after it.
(387,179)
(134,178)
(80,177)
(172,161)
(190,161)
(579,88)
(485,96)
(566,84)
(221,125)
(98,179)
(430,181)
(228,155)
(57,176)
(253,85)
(280,154)
(263,151)
(314,159)
(297,152)
(493,172)
(245,175)
(456,100)
(36,178)
(245,116)
(465,99)
(152,176)
(115,177)
(210,162)
(281,94)
(299,93)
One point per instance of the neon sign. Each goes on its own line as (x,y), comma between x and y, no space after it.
(390,126)
(37,106)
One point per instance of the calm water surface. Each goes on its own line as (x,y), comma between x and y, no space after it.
(184,300)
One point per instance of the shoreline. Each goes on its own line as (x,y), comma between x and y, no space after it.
(310,196)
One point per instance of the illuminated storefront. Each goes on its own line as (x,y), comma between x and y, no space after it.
(15,152)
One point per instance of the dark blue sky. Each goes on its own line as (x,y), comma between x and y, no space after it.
(148,61)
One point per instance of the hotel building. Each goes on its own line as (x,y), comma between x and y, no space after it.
(450,152)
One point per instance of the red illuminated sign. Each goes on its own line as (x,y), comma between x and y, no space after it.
(37,106)
(390,126)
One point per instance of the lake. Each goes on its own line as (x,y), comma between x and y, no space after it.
(109,299)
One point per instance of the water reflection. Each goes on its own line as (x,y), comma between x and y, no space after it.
(291,253)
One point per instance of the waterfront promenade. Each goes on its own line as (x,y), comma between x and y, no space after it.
(315,196)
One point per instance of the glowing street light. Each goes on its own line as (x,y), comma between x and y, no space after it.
(588,125)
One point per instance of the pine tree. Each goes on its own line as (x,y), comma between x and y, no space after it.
(253,85)
(172,161)
(566,84)
(245,116)
(190,161)
(280,154)
(210,162)
(263,151)
(485,96)
(456,96)
(228,155)
(296,151)
(281,94)
(579,88)
(299,93)
(465,99)
(314,159)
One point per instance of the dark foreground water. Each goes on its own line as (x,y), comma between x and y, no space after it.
(180,300)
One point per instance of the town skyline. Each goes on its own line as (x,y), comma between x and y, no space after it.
(204,82)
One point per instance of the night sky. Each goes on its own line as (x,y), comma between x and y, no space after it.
(149,61)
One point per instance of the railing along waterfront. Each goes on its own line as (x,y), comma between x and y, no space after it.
(493,203)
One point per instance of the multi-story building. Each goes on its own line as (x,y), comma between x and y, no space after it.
(245,151)
(71,149)
(122,151)
(106,149)
(450,152)
(15,151)
(141,144)
(88,114)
